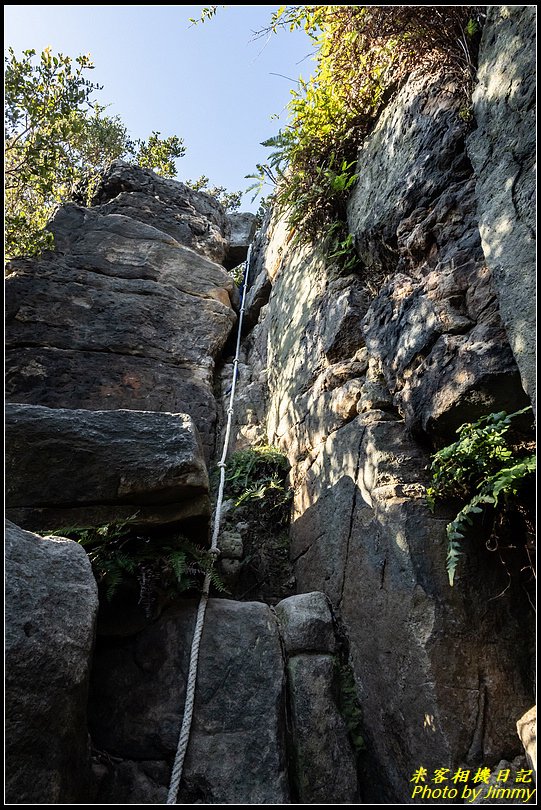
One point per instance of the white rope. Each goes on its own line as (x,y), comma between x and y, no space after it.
(184,735)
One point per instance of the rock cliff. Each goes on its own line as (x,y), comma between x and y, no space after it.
(123,314)
(118,375)
(356,378)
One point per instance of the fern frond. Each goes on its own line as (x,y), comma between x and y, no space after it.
(217,581)
(502,483)
(177,562)
(112,579)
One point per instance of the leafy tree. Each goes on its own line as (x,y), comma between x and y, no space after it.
(57,135)
(45,107)
(230,200)
(159,153)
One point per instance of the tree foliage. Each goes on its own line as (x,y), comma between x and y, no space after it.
(158,153)
(57,135)
(207,13)
(230,200)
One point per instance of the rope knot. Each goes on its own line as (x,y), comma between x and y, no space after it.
(221,464)
(215,552)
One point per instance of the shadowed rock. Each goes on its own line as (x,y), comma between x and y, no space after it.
(51,607)
(236,751)
(241,226)
(86,468)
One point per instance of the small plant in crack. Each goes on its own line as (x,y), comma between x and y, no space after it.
(257,478)
(161,565)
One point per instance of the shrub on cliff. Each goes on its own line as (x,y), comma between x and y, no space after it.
(159,565)
(362,55)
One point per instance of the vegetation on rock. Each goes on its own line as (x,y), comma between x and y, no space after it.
(230,200)
(363,54)
(161,565)
(481,467)
(258,475)
(257,487)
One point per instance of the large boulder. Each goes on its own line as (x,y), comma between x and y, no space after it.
(192,218)
(306,623)
(51,607)
(503,152)
(236,752)
(87,468)
(323,761)
(122,315)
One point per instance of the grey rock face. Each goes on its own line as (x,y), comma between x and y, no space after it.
(434,326)
(241,226)
(326,771)
(192,218)
(406,164)
(306,623)
(77,467)
(440,379)
(267,257)
(51,606)
(248,425)
(236,751)
(502,149)
(121,316)
(429,354)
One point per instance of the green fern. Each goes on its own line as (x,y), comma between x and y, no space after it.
(505,482)
(478,467)
(217,581)
(177,561)
(258,475)
(166,564)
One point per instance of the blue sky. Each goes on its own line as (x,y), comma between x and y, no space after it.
(212,84)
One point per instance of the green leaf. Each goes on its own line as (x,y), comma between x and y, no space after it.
(57,139)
